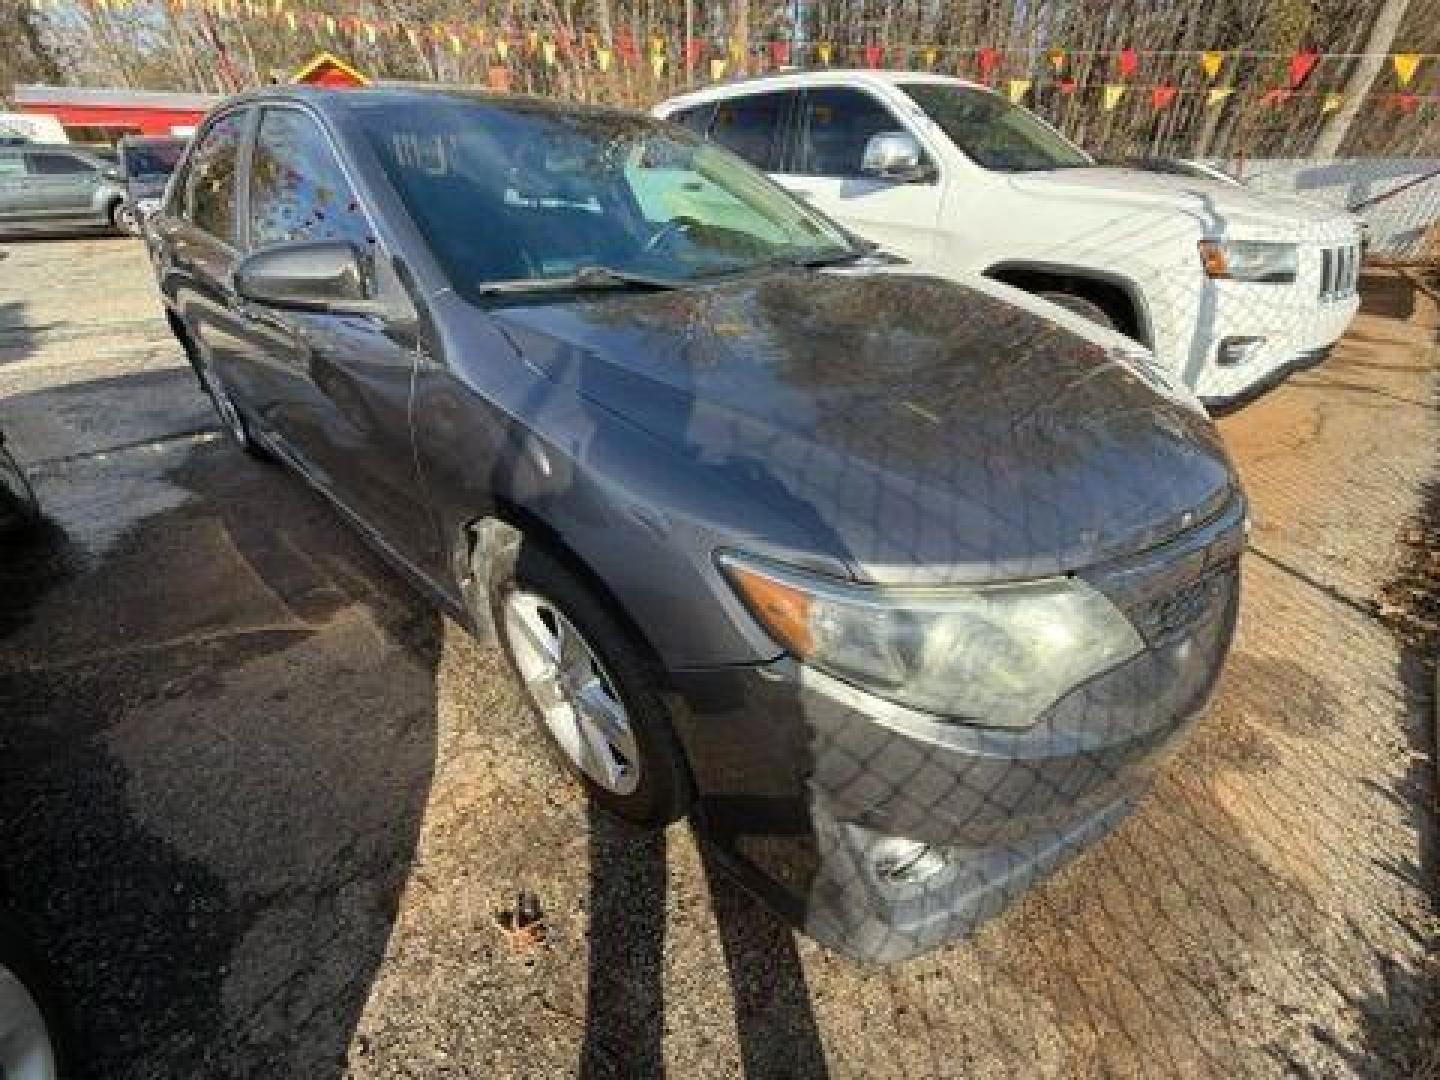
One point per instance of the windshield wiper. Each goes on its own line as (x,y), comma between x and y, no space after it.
(586,279)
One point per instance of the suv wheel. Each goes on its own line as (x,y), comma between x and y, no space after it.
(123,218)
(590,684)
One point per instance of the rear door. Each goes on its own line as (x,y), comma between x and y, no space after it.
(832,125)
(62,184)
(334,388)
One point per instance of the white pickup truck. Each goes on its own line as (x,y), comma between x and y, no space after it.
(1230,289)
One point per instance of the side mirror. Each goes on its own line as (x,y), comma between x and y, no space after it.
(893,155)
(313,275)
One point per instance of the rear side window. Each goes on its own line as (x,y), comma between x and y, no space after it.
(58,165)
(754,128)
(835,124)
(297,189)
(210,185)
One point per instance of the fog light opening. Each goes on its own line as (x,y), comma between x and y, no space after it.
(905,862)
(1235,351)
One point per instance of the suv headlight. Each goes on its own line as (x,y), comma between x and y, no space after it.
(995,655)
(1250,260)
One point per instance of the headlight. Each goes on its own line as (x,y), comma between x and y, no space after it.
(998,655)
(1249,260)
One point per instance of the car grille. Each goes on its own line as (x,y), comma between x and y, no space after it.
(1339,271)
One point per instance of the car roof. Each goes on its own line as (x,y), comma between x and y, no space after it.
(820,76)
(340,99)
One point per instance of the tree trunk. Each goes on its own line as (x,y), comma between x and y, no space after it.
(1362,78)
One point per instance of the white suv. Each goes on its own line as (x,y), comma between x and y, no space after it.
(1232,290)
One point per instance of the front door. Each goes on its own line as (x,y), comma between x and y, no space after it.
(335,388)
(832,126)
(62,184)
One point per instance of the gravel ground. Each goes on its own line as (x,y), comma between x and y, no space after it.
(272,816)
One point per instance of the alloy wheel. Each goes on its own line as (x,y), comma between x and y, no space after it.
(26,1051)
(573,693)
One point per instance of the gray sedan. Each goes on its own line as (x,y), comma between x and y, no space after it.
(899,588)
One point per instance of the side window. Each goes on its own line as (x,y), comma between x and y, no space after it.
(696,118)
(297,189)
(835,124)
(754,128)
(210,190)
(58,164)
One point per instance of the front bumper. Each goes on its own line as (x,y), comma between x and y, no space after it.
(804,781)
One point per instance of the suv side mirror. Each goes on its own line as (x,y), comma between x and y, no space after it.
(312,275)
(893,155)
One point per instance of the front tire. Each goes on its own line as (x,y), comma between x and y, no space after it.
(592,687)
(123,218)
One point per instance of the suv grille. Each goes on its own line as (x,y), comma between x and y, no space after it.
(1339,271)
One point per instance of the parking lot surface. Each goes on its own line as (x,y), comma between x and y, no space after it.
(272,816)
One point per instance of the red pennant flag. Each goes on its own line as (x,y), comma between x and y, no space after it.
(1301,64)
(694,51)
(1276,97)
(1163,95)
(988,60)
(1407,103)
(625,46)
(1067,86)
(1129,62)
(873,55)
(780,53)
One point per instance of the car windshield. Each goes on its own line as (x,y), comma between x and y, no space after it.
(152,159)
(513,192)
(995,133)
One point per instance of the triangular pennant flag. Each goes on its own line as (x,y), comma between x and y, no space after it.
(602,59)
(1018,89)
(549,48)
(532,41)
(330,25)
(1218,94)
(873,55)
(988,60)
(498,78)
(1333,101)
(1210,62)
(1406,103)
(1128,61)
(927,57)
(717,68)
(779,53)
(1057,59)
(823,51)
(502,49)
(1405,65)
(1067,86)
(290,20)
(455,45)
(1301,64)
(1113,93)
(657,63)
(694,50)
(1161,96)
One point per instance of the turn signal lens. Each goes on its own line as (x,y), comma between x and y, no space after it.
(781,609)
(1212,257)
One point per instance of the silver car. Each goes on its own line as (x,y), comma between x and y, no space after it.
(53,186)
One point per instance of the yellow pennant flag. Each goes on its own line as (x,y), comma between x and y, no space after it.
(928,57)
(1057,59)
(602,58)
(1405,65)
(824,51)
(549,53)
(717,68)
(502,48)
(737,51)
(657,63)
(290,20)
(1218,94)
(532,40)
(1018,89)
(1333,101)
(455,44)
(370,32)
(1113,93)
(1210,63)
(330,25)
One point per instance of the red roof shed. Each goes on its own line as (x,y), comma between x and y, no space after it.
(117,112)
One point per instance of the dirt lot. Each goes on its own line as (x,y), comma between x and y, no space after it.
(266,809)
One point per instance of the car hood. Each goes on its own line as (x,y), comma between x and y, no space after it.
(924,431)
(1218,204)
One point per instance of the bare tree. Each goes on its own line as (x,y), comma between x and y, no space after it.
(1362,78)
